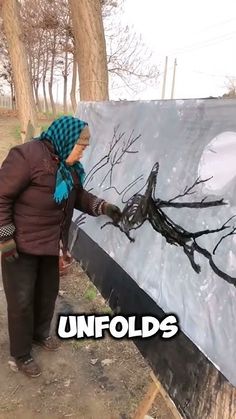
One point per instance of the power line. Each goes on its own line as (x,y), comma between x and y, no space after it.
(136,83)
(204,44)
(222,23)
(209,74)
(215,75)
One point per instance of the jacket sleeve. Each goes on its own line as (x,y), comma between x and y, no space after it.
(88,203)
(14,177)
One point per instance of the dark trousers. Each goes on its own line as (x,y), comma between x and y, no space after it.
(31,286)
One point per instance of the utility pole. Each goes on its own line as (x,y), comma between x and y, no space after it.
(164,79)
(173,82)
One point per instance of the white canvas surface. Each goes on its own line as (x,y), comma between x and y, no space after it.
(189,139)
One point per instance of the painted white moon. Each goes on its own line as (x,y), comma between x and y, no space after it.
(218,161)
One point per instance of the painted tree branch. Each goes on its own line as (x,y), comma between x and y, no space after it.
(145,207)
(196,204)
(114,156)
(190,190)
(127,188)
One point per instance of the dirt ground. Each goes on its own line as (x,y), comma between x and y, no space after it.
(104,379)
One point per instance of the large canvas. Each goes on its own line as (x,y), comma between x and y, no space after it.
(191,147)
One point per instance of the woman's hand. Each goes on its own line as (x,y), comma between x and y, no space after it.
(112,211)
(8,249)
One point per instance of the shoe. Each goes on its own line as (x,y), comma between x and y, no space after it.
(50,343)
(29,367)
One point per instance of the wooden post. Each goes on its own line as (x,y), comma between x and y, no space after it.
(147,401)
(154,388)
(173,82)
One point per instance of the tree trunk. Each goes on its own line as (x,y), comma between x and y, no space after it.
(45,95)
(54,111)
(50,84)
(39,106)
(24,92)
(13,102)
(73,86)
(90,49)
(65,94)
(34,80)
(37,72)
(65,75)
(45,69)
(30,64)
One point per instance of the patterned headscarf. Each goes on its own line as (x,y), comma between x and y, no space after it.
(64,133)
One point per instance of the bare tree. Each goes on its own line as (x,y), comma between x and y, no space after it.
(67,50)
(44,72)
(6,73)
(50,45)
(65,73)
(231,88)
(53,43)
(73,86)
(128,58)
(16,47)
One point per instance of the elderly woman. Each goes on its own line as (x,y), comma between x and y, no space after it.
(41,182)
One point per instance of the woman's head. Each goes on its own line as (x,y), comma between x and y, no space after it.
(78,150)
(69,136)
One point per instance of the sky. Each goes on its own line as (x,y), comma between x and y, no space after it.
(201,35)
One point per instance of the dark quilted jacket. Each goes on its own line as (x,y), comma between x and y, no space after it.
(28,211)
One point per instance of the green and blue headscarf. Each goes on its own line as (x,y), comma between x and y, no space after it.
(64,133)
